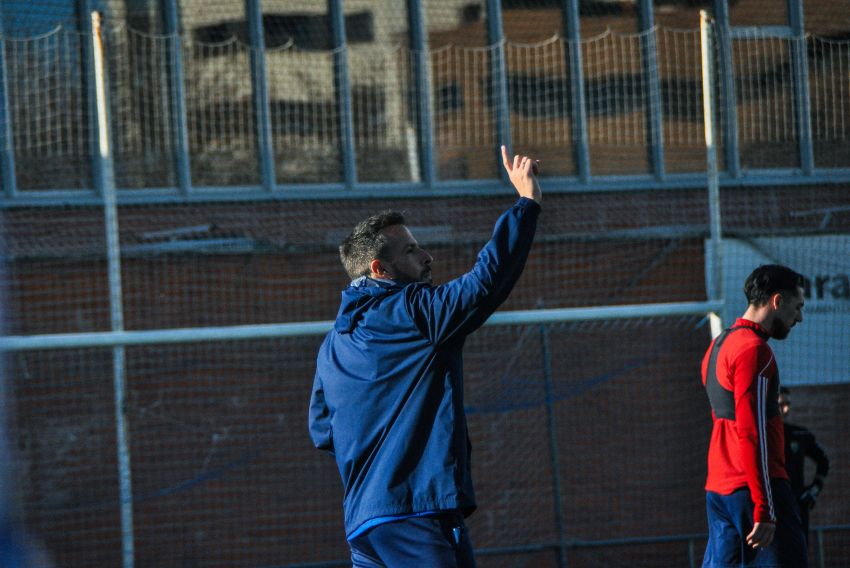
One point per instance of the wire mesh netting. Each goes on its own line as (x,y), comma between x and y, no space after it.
(46,97)
(223,472)
(187,105)
(231,264)
(223,476)
(830,121)
(767,127)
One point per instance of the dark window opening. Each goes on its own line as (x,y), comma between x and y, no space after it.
(304,31)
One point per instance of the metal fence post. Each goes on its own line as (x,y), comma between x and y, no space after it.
(715,278)
(178,98)
(85,9)
(106,177)
(800,74)
(260,91)
(649,51)
(422,93)
(7,141)
(691,554)
(342,87)
(553,447)
(499,81)
(578,121)
(727,84)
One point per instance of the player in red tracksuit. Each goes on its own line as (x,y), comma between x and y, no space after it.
(753,519)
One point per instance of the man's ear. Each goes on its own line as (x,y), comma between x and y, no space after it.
(776,301)
(377,268)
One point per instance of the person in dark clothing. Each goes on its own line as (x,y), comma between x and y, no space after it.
(800,444)
(387,397)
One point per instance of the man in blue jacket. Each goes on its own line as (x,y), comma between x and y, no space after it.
(387,398)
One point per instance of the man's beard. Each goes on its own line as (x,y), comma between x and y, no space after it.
(423,277)
(779,330)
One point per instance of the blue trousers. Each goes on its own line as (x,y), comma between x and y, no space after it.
(730,520)
(437,541)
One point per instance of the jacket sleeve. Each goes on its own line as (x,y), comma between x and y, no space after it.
(750,388)
(320,418)
(459,307)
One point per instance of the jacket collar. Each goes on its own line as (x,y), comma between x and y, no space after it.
(369,281)
(358,298)
(758,328)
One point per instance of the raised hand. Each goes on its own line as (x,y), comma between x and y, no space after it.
(523,173)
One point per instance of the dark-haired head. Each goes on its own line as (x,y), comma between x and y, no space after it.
(767,280)
(775,296)
(367,242)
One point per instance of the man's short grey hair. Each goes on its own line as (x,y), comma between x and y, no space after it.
(367,242)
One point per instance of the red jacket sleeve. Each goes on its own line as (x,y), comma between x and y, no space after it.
(751,378)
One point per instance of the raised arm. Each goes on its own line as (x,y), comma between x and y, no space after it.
(457,308)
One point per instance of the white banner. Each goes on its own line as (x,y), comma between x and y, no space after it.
(818,350)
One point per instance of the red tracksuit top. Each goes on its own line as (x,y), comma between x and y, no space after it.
(747,441)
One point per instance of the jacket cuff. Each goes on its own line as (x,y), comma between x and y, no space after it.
(527,203)
(762,515)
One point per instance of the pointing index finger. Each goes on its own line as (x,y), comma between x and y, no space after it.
(505,159)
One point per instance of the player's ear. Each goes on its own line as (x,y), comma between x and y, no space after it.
(377,268)
(776,300)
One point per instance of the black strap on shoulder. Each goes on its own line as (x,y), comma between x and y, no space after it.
(722,400)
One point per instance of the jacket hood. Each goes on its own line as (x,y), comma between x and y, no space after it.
(359,297)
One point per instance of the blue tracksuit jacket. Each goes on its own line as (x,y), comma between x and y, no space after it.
(387,398)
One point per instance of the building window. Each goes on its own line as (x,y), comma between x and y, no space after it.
(304,31)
